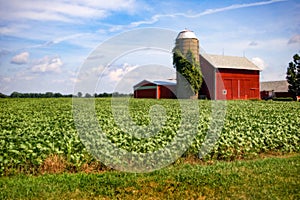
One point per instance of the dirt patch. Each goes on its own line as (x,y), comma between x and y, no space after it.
(53,164)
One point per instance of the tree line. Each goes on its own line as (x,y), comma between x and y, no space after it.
(59,95)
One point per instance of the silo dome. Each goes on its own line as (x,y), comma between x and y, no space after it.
(186,34)
(187,40)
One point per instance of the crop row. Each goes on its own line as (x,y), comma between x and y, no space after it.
(33,129)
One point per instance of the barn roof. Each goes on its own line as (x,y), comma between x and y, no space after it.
(229,62)
(156,82)
(276,86)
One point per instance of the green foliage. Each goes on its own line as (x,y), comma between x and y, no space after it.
(293,76)
(188,68)
(87,95)
(3,95)
(33,129)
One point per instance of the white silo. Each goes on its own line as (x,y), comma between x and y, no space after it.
(187,40)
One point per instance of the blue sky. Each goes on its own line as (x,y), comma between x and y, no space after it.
(43,44)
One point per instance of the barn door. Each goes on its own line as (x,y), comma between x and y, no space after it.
(245,89)
(228,88)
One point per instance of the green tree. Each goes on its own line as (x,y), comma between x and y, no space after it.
(15,95)
(57,95)
(49,94)
(293,76)
(2,95)
(87,95)
(187,66)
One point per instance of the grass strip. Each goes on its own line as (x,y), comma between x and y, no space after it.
(269,178)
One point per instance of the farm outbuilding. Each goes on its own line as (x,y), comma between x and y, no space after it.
(229,77)
(155,89)
(271,89)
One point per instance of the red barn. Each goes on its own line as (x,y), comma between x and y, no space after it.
(155,89)
(229,77)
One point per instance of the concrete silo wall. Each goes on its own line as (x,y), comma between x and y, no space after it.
(185,44)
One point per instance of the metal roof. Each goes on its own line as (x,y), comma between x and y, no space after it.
(186,34)
(276,86)
(229,62)
(161,82)
(156,82)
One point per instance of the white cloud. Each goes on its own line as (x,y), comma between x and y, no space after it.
(294,39)
(6,79)
(66,11)
(238,6)
(7,30)
(156,18)
(28,78)
(72,72)
(58,81)
(97,70)
(259,62)
(61,39)
(47,64)
(108,5)
(75,80)
(20,59)
(118,74)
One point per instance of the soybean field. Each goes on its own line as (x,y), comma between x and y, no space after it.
(32,130)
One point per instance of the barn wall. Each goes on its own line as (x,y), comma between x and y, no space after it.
(208,73)
(160,91)
(147,93)
(167,92)
(237,84)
